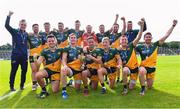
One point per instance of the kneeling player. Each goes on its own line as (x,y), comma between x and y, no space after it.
(111,62)
(72,63)
(129,59)
(92,64)
(51,56)
(148,52)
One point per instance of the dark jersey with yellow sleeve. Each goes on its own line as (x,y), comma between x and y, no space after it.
(128,56)
(62,38)
(35,43)
(78,35)
(100,36)
(73,57)
(90,64)
(109,58)
(148,54)
(52,59)
(114,40)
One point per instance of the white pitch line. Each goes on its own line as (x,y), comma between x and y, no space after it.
(12,92)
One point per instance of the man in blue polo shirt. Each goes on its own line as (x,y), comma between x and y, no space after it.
(19,51)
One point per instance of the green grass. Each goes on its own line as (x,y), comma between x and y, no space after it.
(166,91)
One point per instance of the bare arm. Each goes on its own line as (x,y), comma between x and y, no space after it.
(119,61)
(115,22)
(124,25)
(141,24)
(39,61)
(161,41)
(64,59)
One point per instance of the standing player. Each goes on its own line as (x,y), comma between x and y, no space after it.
(111,63)
(72,62)
(19,53)
(129,60)
(52,57)
(131,33)
(35,42)
(77,32)
(44,35)
(148,52)
(87,34)
(61,35)
(92,63)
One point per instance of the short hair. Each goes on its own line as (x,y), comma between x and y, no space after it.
(72,34)
(116,24)
(60,23)
(90,37)
(148,33)
(51,36)
(77,21)
(35,25)
(46,23)
(89,26)
(101,25)
(105,38)
(129,21)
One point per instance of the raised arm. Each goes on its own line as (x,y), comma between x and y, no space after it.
(124,25)
(7,26)
(161,41)
(141,24)
(145,27)
(115,22)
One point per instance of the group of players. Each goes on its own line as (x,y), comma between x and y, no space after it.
(90,57)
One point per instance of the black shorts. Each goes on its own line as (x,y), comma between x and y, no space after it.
(111,70)
(134,70)
(74,71)
(150,70)
(93,71)
(50,72)
(31,59)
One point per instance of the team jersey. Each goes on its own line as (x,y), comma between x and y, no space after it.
(35,43)
(89,62)
(128,56)
(78,35)
(114,40)
(131,35)
(44,38)
(73,57)
(100,37)
(109,58)
(148,54)
(62,38)
(52,59)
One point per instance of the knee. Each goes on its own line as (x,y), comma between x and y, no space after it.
(142,71)
(125,71)
(38,75)
(84,74)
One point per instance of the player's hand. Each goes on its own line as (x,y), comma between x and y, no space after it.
(65,67)
(10,13)
(119,66)
(143,19)
(89,56)
(141,23)
(117,15)
(123,18)
(175,22)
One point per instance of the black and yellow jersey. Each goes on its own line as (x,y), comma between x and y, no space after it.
(52,59)
(114,40)
(128,56)
(109,58)
(148,54)
(73,57)
(89,62)
(78,35)
(62,39)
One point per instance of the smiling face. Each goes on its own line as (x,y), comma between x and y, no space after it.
(72,39)
(91,42)
(60,26)
(35,28)
(101,28)
(115,28)
(129,25)
(124,41)
(47,27)
(22,25)
(77,25)
(106,43)
(148,38)
(51,41)
(89,29)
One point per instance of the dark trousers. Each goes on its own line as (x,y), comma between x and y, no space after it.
(17,60)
